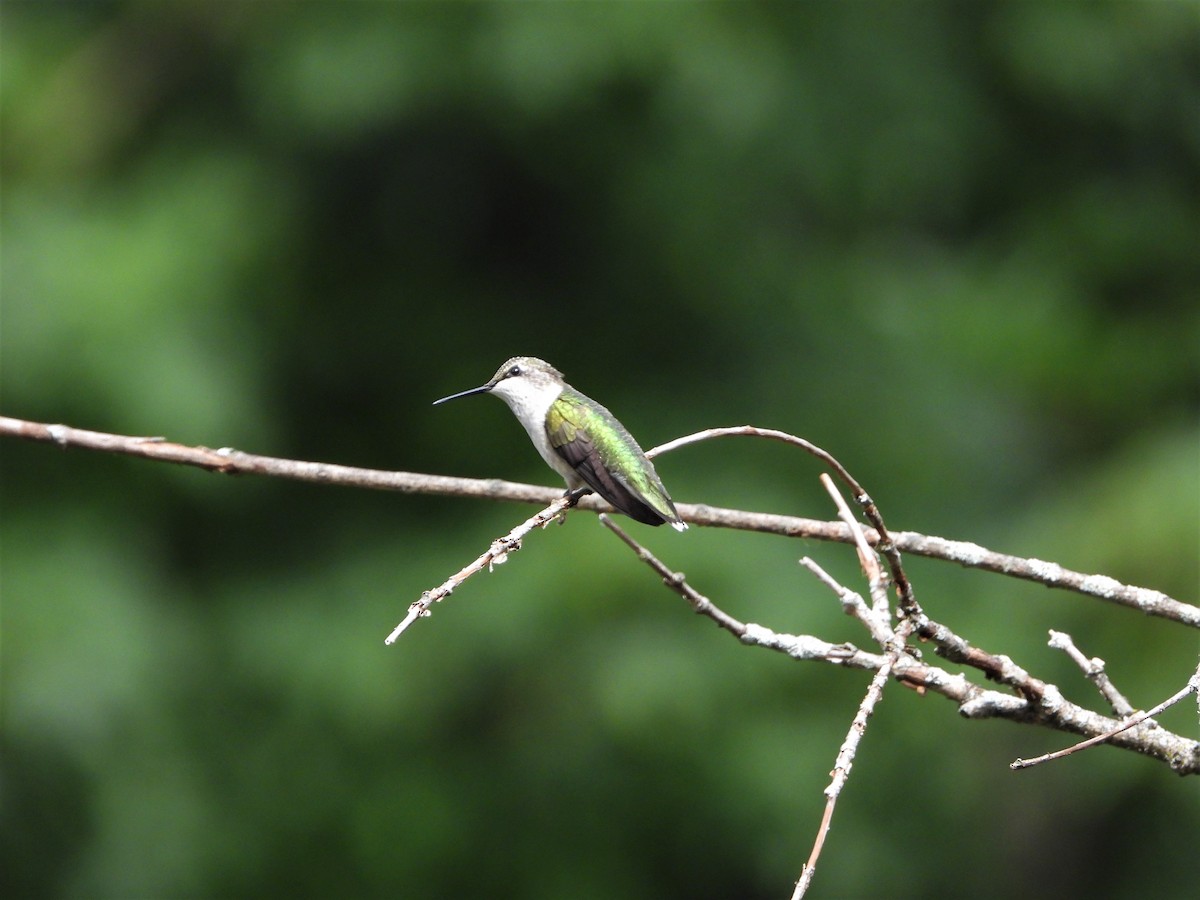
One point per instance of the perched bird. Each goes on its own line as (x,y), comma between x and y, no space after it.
(581,440)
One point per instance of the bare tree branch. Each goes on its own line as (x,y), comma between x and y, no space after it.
(1027,699)
(1032,701)
(235,462)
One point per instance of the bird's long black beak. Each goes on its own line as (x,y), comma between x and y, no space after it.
(482,389)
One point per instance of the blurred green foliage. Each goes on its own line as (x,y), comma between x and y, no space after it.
(954,243)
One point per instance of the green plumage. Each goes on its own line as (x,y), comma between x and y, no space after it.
(607,458)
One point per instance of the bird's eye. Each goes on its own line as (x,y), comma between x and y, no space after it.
(514,371)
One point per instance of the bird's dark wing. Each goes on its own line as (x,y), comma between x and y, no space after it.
(572,429)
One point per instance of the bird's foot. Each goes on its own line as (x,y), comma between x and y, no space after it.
(572,497)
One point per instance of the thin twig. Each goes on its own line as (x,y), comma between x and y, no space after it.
(867,560)
(1192,687)
(678,583)
(495,555)
(844,763)
(797,646)
(810,867)
(893,642)
(885,544)
(853,604)
(1093,669)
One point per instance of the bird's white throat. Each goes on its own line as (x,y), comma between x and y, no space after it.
(530,400)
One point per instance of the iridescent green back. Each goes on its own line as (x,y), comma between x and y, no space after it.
(607,458)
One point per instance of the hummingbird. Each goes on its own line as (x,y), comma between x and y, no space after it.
(580,440)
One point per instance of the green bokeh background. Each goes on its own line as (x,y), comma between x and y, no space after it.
(953,243)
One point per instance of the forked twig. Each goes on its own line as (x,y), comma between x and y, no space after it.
(495,555)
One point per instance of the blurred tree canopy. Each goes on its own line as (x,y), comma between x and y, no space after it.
(953,243)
